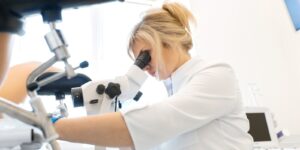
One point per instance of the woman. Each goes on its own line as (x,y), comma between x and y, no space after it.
(204,109)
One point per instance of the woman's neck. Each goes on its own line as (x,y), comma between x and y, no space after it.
(182,59)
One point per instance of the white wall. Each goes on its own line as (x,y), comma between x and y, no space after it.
(258,39)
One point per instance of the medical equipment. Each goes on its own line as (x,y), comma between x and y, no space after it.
(105,96)
(262,127)
(263,131)
(12,11)
(9,22)
(14,132)
(62,87)
(51,12)
(122,88)
(49,9)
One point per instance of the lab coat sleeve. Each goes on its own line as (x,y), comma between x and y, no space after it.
(209,95)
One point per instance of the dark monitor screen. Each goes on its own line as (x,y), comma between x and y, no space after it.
(293,7)
(258,127)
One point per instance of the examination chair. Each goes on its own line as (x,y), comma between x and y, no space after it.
(62,86)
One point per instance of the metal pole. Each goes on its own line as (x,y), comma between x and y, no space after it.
(15,111)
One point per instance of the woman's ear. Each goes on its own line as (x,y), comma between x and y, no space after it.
(166,45)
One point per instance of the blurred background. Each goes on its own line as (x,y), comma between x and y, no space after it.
(259,38)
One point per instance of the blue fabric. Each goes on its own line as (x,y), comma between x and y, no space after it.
(54,119)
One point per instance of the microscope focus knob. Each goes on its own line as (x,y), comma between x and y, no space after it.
(113,89)
(100,89)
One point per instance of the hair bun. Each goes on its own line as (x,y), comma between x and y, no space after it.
(179,12)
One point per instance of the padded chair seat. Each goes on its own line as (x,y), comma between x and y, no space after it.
(61,86)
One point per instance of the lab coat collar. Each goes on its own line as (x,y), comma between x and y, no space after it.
(180,75)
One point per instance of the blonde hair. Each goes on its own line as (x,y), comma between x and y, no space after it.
(166,27)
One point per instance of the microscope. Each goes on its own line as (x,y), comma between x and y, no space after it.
(104,96)
(99,97)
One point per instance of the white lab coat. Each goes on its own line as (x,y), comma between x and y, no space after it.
(204,112)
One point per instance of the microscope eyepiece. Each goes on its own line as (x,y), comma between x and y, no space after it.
(143,59)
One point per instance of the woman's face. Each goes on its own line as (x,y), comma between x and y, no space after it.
(171,59)
(139,46)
